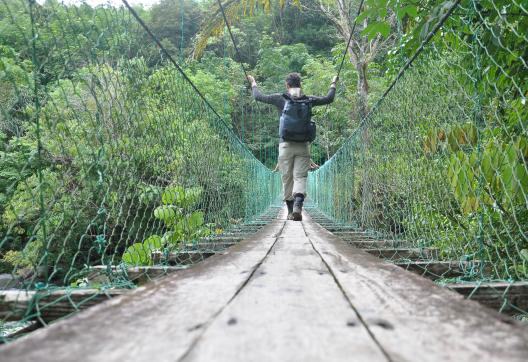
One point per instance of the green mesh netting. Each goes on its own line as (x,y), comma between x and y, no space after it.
(440,163)
(112,162)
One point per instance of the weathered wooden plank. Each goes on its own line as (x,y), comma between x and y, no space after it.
(209,246)
(434,269)
(373,244)
(52,304)
(291,310)
(19,331)
(255,224)
(221,239)
(236,234)
(509,298)
(138,274)
(405,253)
(412,318)
(158,322)
(185,257)
(340,228)
(354,235)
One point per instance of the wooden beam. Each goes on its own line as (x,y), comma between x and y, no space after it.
(287,294)
(354,235)
(52,304)
(184,257)
(437,269)
(412,318)
(405,253)
(221,239)
(20,331)
(237,234)
(507,297)
(138,274)
(373,244)
(164,318)
(332,227)
(209,246)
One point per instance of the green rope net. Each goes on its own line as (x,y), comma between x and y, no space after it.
(439,166)
(114,168)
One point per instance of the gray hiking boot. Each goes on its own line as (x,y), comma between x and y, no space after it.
(297,207)
(289,203)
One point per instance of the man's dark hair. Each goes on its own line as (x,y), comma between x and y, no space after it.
(293,80)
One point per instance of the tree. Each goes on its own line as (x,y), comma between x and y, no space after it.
(369,38)
(176,21)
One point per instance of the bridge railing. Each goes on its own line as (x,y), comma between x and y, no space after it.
(441,160)
(109,154)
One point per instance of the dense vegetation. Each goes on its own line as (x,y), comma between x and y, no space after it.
(98,130)
(442,160)
(73,151)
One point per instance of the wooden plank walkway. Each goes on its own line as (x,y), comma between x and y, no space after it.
(291,292)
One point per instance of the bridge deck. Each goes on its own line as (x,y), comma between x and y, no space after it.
(292,292)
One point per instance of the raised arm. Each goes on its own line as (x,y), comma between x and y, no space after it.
(329,98)
(276,99)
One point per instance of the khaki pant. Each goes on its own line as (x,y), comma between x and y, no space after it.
(294,163)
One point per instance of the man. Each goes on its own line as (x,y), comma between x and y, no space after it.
(296,131)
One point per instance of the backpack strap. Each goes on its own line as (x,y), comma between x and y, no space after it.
(302,99)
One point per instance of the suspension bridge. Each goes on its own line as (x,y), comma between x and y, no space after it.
(139,225)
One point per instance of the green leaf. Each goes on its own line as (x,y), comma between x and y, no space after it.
(363,15)
(522,146)
(487,168)
(136,254)
(172,237)
(521,178)
(410,10)
(165,213)
(195,220)
(179,196)
(172,195)
(375,28)
(153,242)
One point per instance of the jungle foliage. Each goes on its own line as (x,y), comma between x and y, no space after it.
(99,132)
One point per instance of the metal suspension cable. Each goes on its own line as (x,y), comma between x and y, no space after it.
(232,38)
(415,55)
(171,59)
(404,69)
(344,54)
(349,39)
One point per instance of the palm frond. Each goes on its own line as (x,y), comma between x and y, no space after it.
(214,25)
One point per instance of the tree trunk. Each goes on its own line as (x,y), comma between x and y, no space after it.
(362,89)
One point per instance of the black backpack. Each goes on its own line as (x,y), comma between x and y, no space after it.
(296,120)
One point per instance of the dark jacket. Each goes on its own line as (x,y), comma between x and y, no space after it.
(278,100)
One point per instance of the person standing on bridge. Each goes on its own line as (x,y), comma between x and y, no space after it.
(296,132)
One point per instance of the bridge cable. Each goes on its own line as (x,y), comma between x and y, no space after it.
(171,59)
(418,51)
(325,114)
(349,38)
(402,71)
(232,39)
